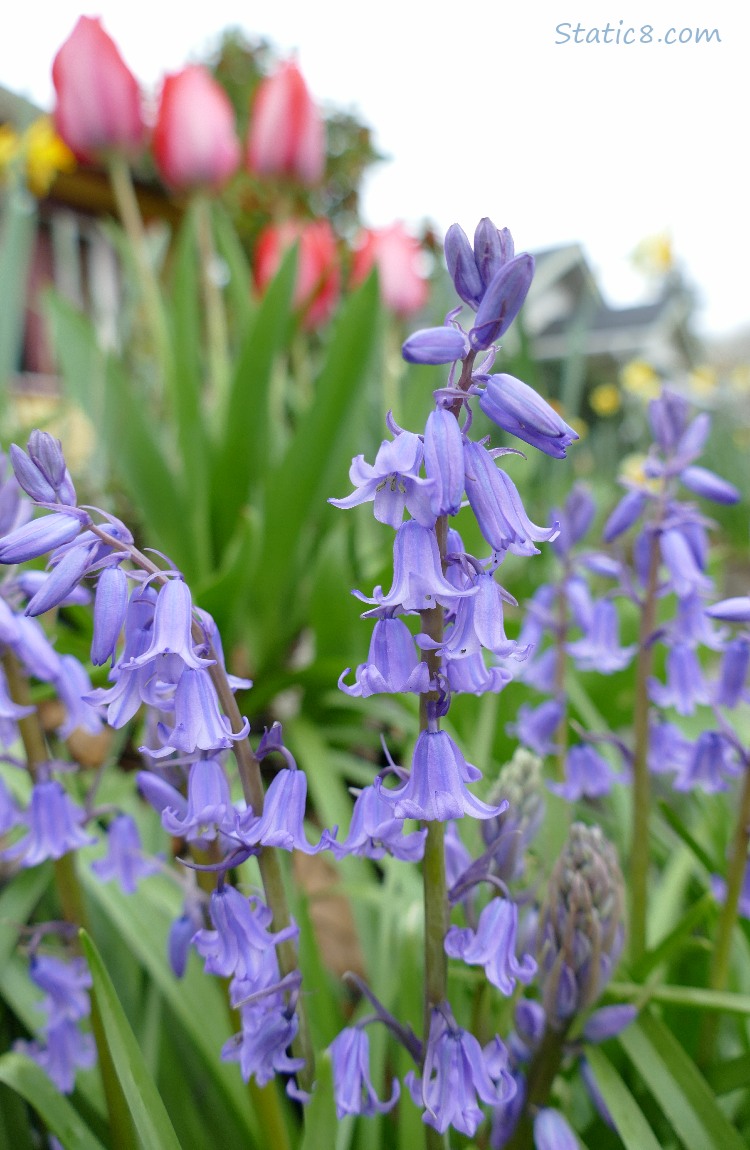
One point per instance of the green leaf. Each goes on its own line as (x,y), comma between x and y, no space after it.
(683,833)
(626,1113)
(16,904)
(320,1114)
(30,1081)
(16,239)
(677,1085)
(147,1110)
(242,452)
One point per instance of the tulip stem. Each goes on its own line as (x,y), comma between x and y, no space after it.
(216,322)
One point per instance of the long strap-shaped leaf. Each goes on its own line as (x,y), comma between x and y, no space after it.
(626,1114)
(148,1112)
(30,1081)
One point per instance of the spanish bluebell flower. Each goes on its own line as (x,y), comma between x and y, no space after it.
(124,860)
(179,940)
(444,461)
(497,505)
(736,610)
(668,749)
(712,759)
(521,411)
(705,483)
(282,822)
(530,1023)
(241,935)
(627,512)
(575,519)
(40,536)
(42,472)
(436,345)
(587,775)
(685,568)
(209,804)
(479,623)
(418,580)
(352,1084)
(54,826)
(470,675)
(502,300)
(692,625)
(436,786)
(393,663)
(172,628)
(580,932)
(552,1131)
(393,482)
(463,267)
(493,946)
(608,1021)
(599,649)
(110,612)
(730,688)
(268,1030)
(199,724)
(457,1073)
(65,984)
(65,1050)
(536,727)
(73,687)
(160,794)
(668,416)
(685,687)
(63,579)
(374,831)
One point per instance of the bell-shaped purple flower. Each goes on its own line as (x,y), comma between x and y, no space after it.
(552,1131)
(609,1021)
(713,758)
(63,579)
(352,1084)
(470,675)
(110,612)
(600,650)
(444,461)
(575,519)
(479,623)
(209,804)
(730,689)
(627,512)
(393,664)
(668,416)
(124,860)
(54,826)
(39,536)
(436,787)
(736,610)
(268,1030)
(418,580)
(375,831)
(73,687)
(668,749)
(457,1074)
(685,687)
(536,727)
(392,482)
(462,266)
(493,946)
(66,1049)
(42,473)
(502,300)
(521,411)
(282,821)
(680,559)
(65,985)
(240,937)
(587,775)
(172,628)
(199,724)
(436,345)
(705,483)
(497,505)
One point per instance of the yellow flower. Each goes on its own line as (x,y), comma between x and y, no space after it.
(703,380)
(654,255)
(10,146)
(640,378)
(46,155)
(632,471)
(605,399)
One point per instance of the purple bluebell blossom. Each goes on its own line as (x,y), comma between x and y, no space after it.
(209,804)
(736,610)
(65,984)
(42,472)
(479,623)
(444,461)
(463,268)
(668,749)
(608,1021)
(65,1050)
(282,822)
(10,814)
(599,649)
(172,628)
(236,946)
(521,411)
(393,482)
(436,345)
(536,727)
(705,483)
(352,1084)
(54,826)
(712,760)
(552,1131)
(668,415)
(685,567)
(40,536)
(627,512)
(685,687)
(374,831)
(457,1074)
(124,860)
(497,505)
(63,579)
(199,724)
(418,580)
(575,519)
(73,687)
(493,946)
(393,664)
(470,675)
(436,787)
(587,775)
(692,626)
(730,688)
(110,612)
(268,1030)
(502,300)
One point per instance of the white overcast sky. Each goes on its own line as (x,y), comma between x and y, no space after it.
(483,113)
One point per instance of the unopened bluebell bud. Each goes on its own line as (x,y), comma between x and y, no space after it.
(625,514)
(493,248)
(502,301)
(110,608)
(463,267)
(435,345)
(520,410)
(703,482)
(38,537)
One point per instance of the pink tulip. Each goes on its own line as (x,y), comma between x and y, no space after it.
(98,98)
(195,144)
(403,285)
(287,134)
(317,288)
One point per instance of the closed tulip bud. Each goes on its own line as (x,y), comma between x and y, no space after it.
(403,286)
(287,133)
(98,99)
(317,287)
(195,144)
